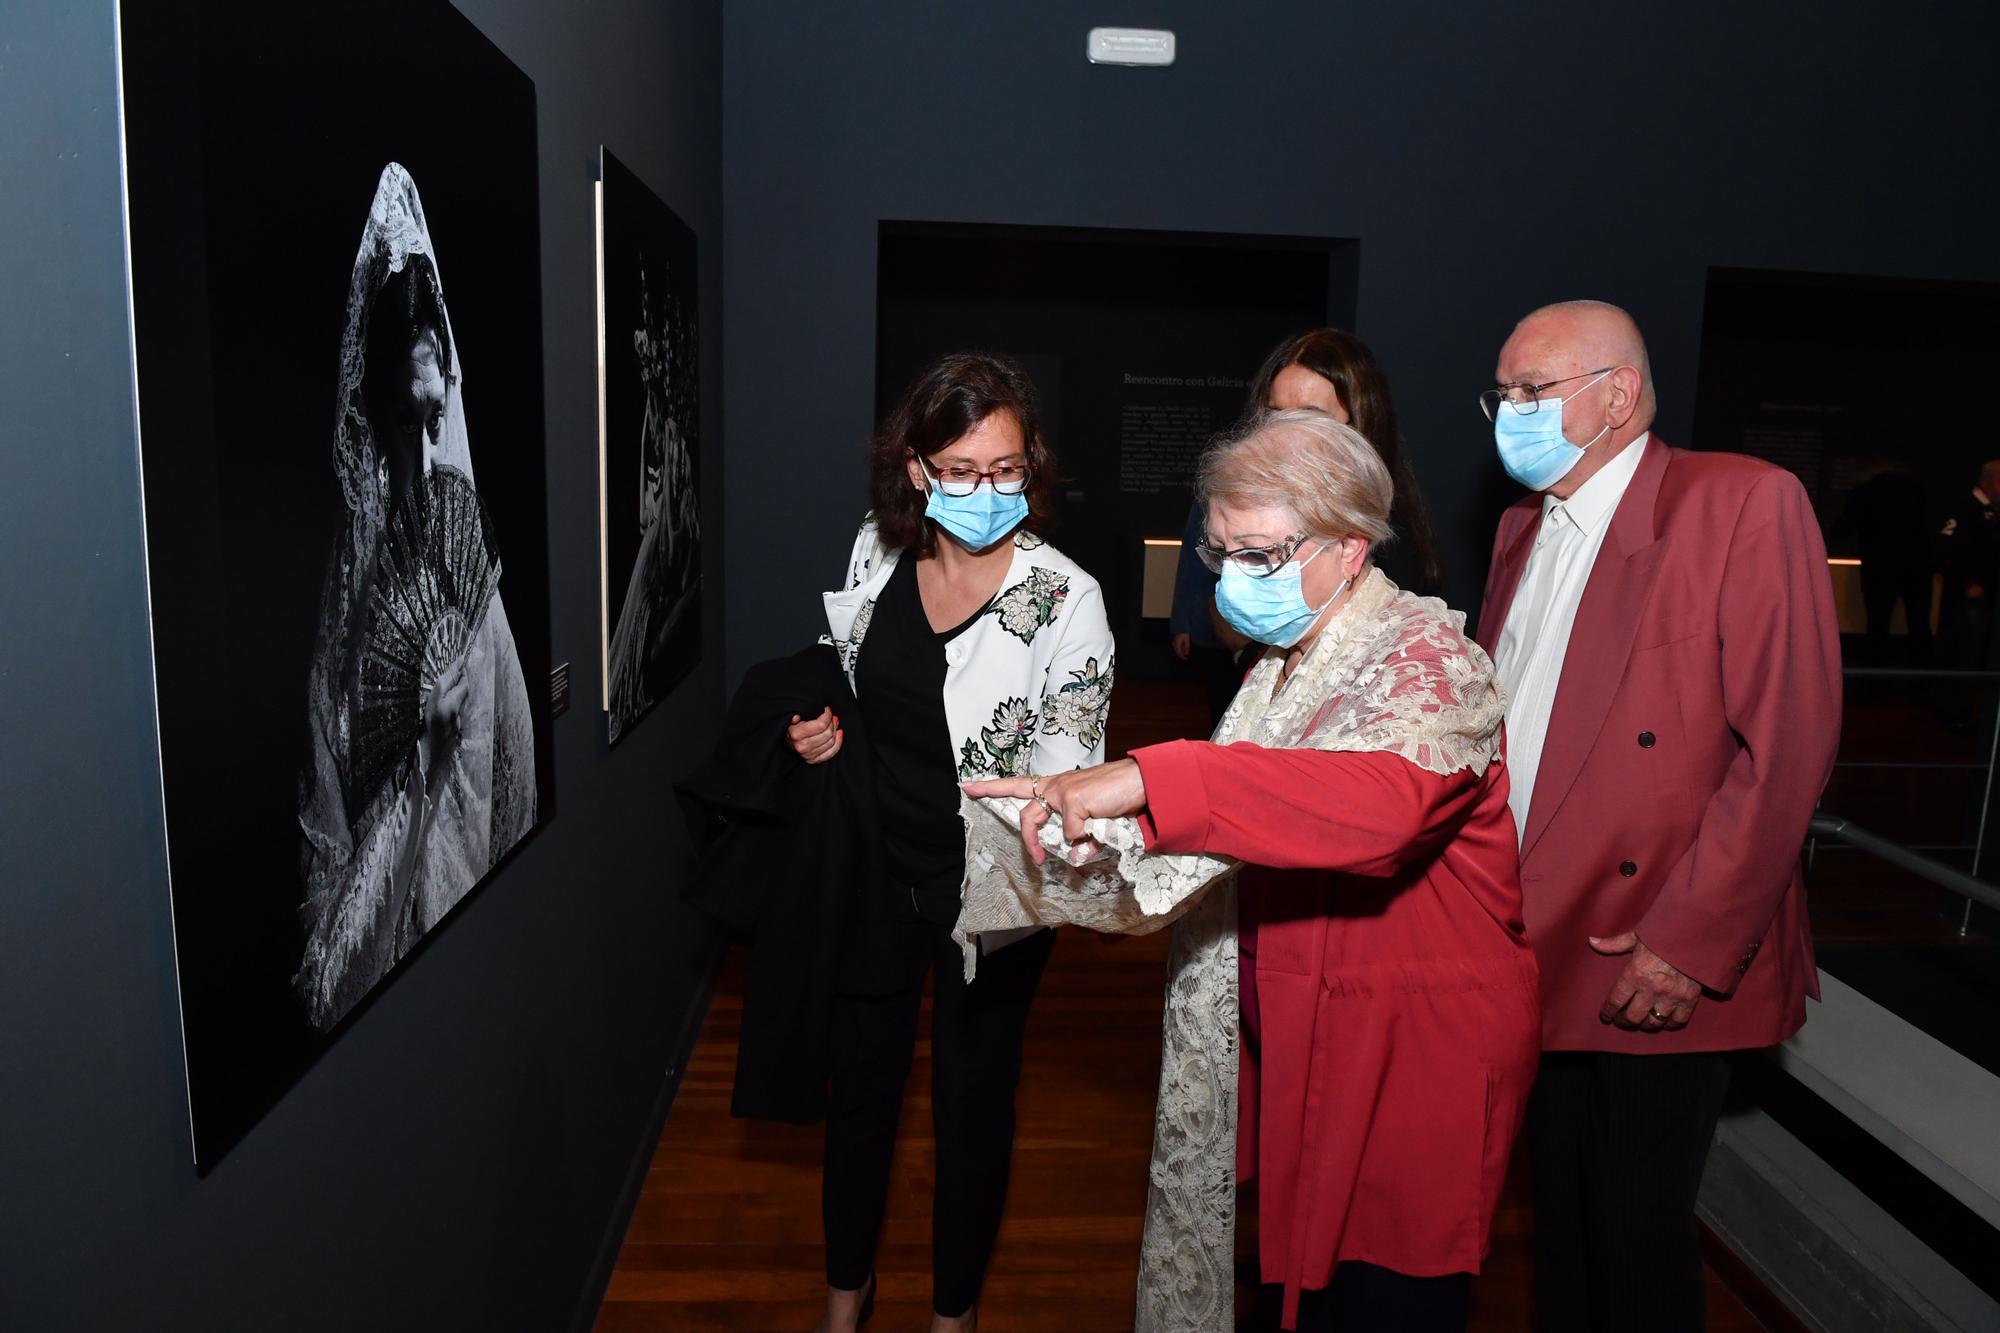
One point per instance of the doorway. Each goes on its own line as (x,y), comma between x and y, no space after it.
(1141,345)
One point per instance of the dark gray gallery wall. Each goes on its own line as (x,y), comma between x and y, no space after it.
(454,1159)
(1488,158)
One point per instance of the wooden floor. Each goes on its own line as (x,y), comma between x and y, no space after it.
(726,1234)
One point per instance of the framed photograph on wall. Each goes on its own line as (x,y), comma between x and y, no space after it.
(336,288)
(649,445)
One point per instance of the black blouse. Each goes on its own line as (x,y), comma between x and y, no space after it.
(899,680)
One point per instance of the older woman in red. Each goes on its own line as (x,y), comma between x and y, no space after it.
(1389,996)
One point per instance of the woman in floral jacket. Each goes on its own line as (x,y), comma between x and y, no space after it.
(975,650)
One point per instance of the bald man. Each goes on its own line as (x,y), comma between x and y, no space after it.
(1665,628)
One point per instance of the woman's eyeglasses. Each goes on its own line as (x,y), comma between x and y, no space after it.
(1259,562)
(1007,479)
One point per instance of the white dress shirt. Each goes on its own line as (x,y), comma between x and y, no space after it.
(1535,639)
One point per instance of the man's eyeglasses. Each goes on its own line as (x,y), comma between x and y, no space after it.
(1527,398)
(1259,562)
(1007,479)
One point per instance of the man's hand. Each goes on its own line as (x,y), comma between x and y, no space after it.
(1183,645)
(1651,994)
(1104,792)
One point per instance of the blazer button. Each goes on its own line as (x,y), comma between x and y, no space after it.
(1627,869)
(1646,739)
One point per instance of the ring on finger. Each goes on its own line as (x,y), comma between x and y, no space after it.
(1659,1017)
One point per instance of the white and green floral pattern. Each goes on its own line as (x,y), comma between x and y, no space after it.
(1033,604)
(1028,686)
(1080,707)
(1004,746)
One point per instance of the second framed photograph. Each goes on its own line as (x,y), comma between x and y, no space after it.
(649,422)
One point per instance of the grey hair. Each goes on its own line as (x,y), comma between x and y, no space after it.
(1305,461)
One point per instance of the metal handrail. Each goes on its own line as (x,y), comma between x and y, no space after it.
(1991,768)
(1923,867)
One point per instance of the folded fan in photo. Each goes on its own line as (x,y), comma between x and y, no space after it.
(437,576)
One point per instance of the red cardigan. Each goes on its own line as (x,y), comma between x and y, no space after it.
(1389,997)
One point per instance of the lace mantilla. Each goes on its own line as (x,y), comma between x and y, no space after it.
(1393,673)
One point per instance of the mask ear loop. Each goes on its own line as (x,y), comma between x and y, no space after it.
(1336,596)
(1320,610)
(1607,413)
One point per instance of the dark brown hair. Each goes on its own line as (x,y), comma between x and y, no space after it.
(953,394)
(1344,361)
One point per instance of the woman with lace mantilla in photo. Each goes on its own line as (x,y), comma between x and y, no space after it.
(420,773)
(1388,997)
(974,649)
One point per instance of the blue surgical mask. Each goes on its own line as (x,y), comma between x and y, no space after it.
(1532,445)
(1272,609)
(977,520)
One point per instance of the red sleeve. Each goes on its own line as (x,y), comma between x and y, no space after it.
(1364,814)
(1781,695)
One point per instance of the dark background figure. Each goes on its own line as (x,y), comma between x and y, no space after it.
(1298,373)
(1886,518)
(1210,647)
(1331,371)
(1968,547)
(1969,556)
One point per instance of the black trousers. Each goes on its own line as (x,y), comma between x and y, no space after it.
(1618,1145)
(976,1036)
(1363,1298)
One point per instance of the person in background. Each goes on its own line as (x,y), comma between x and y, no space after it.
(1201,638)
(975,650)
(1885,516)
(1333,371)
(1664,625)
(1969,556)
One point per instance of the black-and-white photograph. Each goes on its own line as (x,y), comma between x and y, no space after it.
(337,299)
(420,761)
(649,305)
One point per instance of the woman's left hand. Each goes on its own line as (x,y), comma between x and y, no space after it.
(1107,791)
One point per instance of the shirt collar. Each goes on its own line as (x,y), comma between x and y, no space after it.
(1597,499)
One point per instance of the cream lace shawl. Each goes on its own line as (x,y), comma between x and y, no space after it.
(1391,673)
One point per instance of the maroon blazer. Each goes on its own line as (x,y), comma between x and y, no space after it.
(1694,728)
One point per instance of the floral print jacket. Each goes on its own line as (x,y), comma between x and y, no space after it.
(1028,687)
